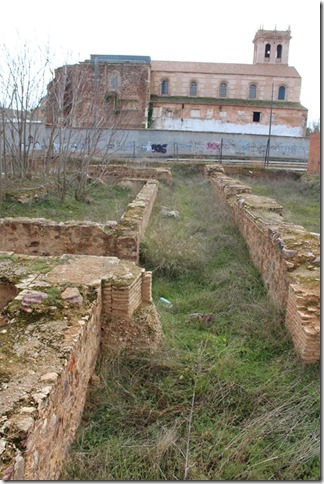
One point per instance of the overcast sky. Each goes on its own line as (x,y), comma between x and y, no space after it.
(203,30)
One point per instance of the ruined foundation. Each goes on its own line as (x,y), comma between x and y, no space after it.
(52,323)
(55,312)
(286,255)
(44,237)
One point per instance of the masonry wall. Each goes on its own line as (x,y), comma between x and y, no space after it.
(44,393)
(314,154)
(44,237)
(238,77)
(157,143)
(227,118)
(102,94)
(286,255)
(116,173)
(60,412)
(43,400)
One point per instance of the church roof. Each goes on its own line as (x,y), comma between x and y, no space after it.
(279,70)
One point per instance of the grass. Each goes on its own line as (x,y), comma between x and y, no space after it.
(223,400)
(300,197)
(106,202)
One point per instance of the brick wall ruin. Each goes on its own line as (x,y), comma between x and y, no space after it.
(51,332)
(314,154)
(286,255)
(116,173)
(45,237)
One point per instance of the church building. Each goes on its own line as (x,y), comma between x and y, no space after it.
(116,91)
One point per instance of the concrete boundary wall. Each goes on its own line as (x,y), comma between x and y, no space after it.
(286,255)
(45,237)
(162,143)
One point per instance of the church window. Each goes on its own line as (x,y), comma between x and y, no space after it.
(267,50)
(282,93)
(165,87)
(223,90)
(193,89)
(252,91)
(279,51)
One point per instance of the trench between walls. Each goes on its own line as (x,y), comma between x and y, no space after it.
(287,257)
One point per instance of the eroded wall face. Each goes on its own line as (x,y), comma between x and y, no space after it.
(228,119)
(102,95)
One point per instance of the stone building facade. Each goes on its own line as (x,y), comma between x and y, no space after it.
(137,92)
(102,92)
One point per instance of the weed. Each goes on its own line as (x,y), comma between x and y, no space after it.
(107,202)
(290,192)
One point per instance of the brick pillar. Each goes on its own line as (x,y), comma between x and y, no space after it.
(146,286)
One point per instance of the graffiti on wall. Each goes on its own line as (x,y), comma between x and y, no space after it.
(212,145)
(155,148)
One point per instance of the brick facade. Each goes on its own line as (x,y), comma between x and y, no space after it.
(99,94)
(314,154)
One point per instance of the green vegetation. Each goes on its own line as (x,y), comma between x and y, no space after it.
(300,197)
(105,202)
(225,398)
(220,101)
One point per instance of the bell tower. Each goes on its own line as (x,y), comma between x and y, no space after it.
(271,46)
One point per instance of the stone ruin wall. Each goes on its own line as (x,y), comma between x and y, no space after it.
(116,173)
(286,255)
(45,237)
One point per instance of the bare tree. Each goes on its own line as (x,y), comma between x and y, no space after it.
(23,79)
(78,118)
(78,109)
(314,127)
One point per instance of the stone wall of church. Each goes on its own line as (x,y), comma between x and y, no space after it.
(208,83)
(99,95)
(226,118)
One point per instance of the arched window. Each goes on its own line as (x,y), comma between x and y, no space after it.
(267,50)
(165,87)
(193,89)
(281,93)
(252,91)
(279,51)
(223,89)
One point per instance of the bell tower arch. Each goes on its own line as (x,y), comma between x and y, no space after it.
(271,46)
